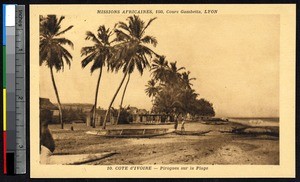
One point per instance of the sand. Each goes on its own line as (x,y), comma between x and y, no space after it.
(215,147)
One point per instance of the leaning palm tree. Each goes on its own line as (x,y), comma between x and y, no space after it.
(152,90)
(51,49)
(98,53)
(131,50)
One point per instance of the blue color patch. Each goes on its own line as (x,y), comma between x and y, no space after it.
(3,24)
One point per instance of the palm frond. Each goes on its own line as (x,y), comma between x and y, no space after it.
(88,59)
(87,50)
(63,41)
(122,25)
(121,36)
(136,26)
(66,55)
(91,36)
(150,40)
(104,34)
(99,62)
(66,52)
(60,19)
(148,51)
(64,31)
(149,22)
(139,67)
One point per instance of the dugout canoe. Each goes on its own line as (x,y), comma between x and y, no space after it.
(131,133)
(179,132)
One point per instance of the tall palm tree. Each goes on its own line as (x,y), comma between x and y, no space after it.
(131,50)
(51,49)
(152,90)
(98,53)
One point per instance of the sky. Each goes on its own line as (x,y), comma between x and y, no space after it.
(234,58)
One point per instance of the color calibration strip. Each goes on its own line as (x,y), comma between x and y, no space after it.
(14,150)
(4,87)
(9,82)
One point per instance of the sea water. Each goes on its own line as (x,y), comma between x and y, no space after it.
(256,121)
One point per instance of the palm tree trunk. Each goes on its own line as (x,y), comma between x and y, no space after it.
(57,97)
(96,97)
(112,101)
(122,99)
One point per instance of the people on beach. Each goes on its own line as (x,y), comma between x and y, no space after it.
(182,125)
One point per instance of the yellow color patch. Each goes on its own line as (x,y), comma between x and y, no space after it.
(4,109)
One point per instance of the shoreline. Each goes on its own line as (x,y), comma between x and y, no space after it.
(213,148)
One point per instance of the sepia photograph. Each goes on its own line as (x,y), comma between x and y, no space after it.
(165,88)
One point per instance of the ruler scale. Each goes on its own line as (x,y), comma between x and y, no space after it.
(20,91)
(14,124)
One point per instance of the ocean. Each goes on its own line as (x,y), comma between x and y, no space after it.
(256,121)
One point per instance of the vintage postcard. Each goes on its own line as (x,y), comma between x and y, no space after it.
(167,91)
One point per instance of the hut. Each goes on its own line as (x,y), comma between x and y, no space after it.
(133,110)
(153,118)
(143,116)
(136,113)
(100,115)
(47,110)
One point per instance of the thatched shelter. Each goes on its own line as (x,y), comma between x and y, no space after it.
(47,109)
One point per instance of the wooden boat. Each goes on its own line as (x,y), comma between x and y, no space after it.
(257,130)
(131,133)
(47,157)
(158,123)
(197,133)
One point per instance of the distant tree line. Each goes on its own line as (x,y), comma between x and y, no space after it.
(71,115)
(172,93)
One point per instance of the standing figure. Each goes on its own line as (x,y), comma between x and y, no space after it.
(182,125)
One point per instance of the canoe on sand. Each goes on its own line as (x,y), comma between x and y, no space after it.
(46,157)
(191,132)
(131,133)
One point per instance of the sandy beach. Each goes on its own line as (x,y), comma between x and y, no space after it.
(219,146)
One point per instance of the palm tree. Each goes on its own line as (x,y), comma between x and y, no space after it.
(131,50)
(98,53)
(159,69)
(169,98)
(174,74)
(186,79)
(52,52)
(188,98)
(152,90)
